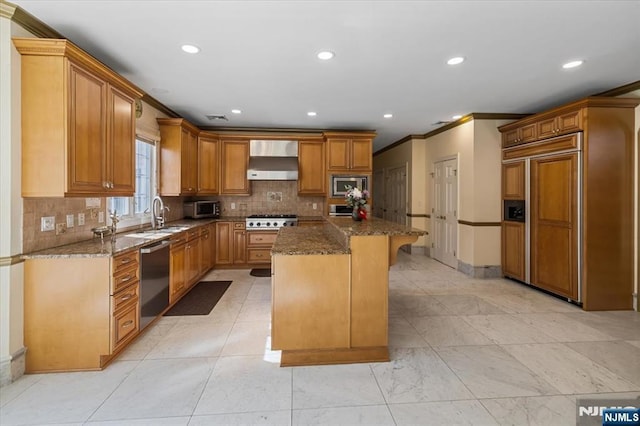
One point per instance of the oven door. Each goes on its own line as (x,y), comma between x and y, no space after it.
(340,210)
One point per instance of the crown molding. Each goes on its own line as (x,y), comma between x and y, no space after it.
(7,9)
(621,90)
(27,21)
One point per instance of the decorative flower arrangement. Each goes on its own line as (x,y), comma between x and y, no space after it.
(357,199)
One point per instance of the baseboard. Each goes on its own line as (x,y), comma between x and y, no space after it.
(12,368)
(487,271)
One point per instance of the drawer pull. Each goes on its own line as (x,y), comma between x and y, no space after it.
(258,255)
(126,297)
(126,260)
(126,278)
(127,324)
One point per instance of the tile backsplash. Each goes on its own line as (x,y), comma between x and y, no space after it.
(267,197)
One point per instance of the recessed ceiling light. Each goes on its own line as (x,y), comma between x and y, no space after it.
(236,111)
(572,64)
(190,48)
(326,55)
(311,114)
(455,61)
(457,117)
(388,115)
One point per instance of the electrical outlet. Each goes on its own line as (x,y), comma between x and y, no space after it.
(61,228)
(233,206)
(69,221)
(80,219)
(47,223)
(315,206)
(100,217)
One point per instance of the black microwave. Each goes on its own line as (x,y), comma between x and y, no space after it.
(339,184)
(202,209)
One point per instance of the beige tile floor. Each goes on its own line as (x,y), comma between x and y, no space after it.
(464,351)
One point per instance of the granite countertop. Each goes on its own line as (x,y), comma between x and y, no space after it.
(306,240)
(311,218)
(372,226)
(122,243)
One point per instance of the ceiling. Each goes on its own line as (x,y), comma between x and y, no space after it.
(390,57)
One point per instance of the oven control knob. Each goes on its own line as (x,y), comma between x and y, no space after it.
(268,224)
(250,224)
(258,224)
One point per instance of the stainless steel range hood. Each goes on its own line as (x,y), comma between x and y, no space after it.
(273,160)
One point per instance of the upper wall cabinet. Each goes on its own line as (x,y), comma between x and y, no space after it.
(347,152)
(542,126)
(311,168)
(208,164)
(78,123)
(178,157)
(234,161)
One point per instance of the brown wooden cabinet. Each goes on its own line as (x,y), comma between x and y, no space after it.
(177,269)
(349,151)
(234,161)
(78,118)
(224,243)
(192,261)
(513,250)
(207,249)
(208,164)
(259,245)
(513,181)
(311,168)
(239,244)
(178,157)
(519,135)
(580,202)
(560,121)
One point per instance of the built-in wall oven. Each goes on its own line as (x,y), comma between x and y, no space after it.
(340,210)
(340,184)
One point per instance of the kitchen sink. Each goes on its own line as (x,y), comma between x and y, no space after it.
(158,233)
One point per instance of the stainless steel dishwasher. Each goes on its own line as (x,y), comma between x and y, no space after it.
(154,281)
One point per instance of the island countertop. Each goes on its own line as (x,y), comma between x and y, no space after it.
(373,226)
(306,240)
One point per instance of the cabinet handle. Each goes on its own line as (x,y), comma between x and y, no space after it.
(258,255)
(127,324)
(125,260)
(126,278)
(111,185)
(258,239)
(126,297)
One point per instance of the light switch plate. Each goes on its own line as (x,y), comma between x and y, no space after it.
(70,221)
(80,219)
(100,217)
(315,206)
(47,223)
(233,206)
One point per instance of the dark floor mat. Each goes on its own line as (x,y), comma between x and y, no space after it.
(260,272)
(201,299)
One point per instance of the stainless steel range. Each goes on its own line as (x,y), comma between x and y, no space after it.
(270,221)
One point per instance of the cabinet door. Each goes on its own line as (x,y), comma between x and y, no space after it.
(234,163)
(188,166)
(177,272)
(121,152)
(361,156)
(338,154)
(239,246)
(205,251)
(192,261)
(87,133)
(510,138)
(513,181)
(554,231)
(513,250)
(311,168)
(570,122)
(224,243)
(208,160)
(547,128)
(528,133)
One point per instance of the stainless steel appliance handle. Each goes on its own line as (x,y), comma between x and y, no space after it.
(159,246)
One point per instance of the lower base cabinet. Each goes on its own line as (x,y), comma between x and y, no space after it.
(513,252)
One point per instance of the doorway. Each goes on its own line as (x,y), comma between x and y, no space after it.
(378,193)
(395,209)
(444,213)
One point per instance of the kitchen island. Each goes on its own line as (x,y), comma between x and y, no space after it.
(330,290)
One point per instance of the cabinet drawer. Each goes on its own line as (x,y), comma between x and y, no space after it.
(193,234)
(124,278)
(259,255)
(125,261)
(262,239)
(125,325)
(238,225)
(127,295)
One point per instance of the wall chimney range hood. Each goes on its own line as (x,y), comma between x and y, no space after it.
(273,160)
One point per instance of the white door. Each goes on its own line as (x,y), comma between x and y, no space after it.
(396,195)
(444,213)
(378,193)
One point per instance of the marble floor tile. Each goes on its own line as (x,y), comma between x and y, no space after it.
(149,339)
(448,331)
(190,339)
(623,325)
(404,286)
(528,303)
(466,304)
(567,370)
(490,372)
(248,338)
(418,375)
(507,329)
(65,397)
(11,391)
(267,418)
(532,411)
(260,291)
(158,388)
(226,311)
(159,421)
(403,335)
(619,357)
(634,343)
(255,310)
(414,305)
(563,328)
(246,383)
(237,290)
(335,386)
(370,415)
(450,413)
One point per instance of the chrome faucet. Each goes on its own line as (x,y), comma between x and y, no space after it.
(157,212)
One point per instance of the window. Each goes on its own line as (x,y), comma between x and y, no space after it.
(135,210)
